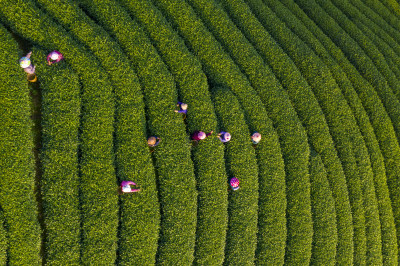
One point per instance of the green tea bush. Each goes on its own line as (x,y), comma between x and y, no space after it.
(241,163)
(17,178)
(392,18)
(377,24)
(59,159)
(192,84)
(324,215)
(369,61)
(309,112)
(157,84)
(328,53)
(378,117)
(345,132)
(262,79)
(117,65)
(377,51)
(3,240)
(221,70)
(98,197)
(385,28)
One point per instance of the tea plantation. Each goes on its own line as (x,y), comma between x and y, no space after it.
(318,79)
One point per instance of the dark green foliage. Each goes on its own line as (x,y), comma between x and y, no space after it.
(98,197)
(295,150)
(176,185)
(59,159)
(309,112)
(241,163)
(17,175)
(345,132)
(130,124)
(324,215)
(193,89)
(378,117)
(389,246)
(3,239)
(222,70)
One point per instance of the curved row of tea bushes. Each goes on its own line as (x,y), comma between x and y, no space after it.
(262,79)
(381,123)
(125,82)
(272,222)
(324,215)
(61,105)
(366,52)
(208,156)
(388,231)
(393,6)
(222,70)
(371,13)
(3,239)
(178,202)
(392,18)
(241,163)
(345,132)
(17,177)
(376,24)
(98,197)
(349,11)
(311,115)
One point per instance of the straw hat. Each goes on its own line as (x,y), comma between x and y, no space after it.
(151,141)
(184,106)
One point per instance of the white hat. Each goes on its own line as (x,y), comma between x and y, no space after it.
(184,106)
(54,55)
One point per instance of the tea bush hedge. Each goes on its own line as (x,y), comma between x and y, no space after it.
(332,57)
(241,163)
(193,89)
(98,197)
(61,109)
(17,178)
(324,215)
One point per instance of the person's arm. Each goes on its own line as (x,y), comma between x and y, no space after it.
(48,59)
(209,134)
(130,183)
(135,190)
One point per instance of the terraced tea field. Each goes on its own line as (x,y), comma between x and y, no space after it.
(319,79)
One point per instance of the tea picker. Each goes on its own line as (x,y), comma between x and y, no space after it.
(152,142)
(234,183)
(200,135)
(26,64)
(126,187)
(54,57)
(182,108)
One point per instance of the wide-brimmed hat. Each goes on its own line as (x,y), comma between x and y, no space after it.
(234,182)
(54,55)
(151,140)
(184,106)
(256,136)
(24,62)
(201,135)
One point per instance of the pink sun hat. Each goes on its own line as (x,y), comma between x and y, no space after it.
(234,183)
